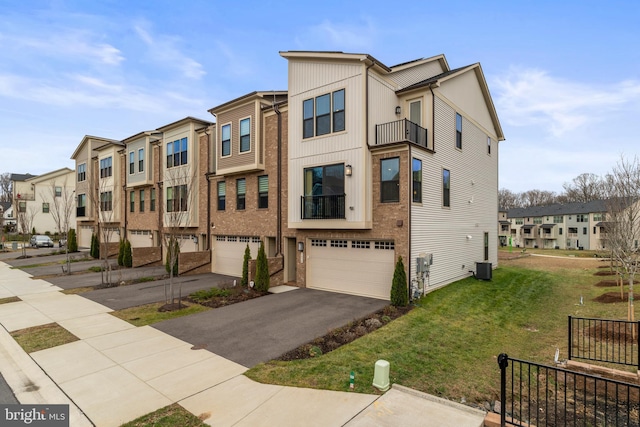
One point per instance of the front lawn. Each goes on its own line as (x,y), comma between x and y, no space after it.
(448,344)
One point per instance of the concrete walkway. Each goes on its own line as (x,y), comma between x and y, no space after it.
(116,372)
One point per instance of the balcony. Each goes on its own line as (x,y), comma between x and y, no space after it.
(322,207)
(402,131)
(80,211)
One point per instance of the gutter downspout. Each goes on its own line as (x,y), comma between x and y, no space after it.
(279,175)
(207,176)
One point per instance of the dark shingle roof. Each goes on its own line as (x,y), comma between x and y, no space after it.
(559,209)
(432,79)
(20,176)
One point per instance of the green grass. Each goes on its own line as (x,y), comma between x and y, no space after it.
(148,314)
(448,344)
(9,299)
(42,337)
(95,269)
(558,252)
(207,294)
(169,416)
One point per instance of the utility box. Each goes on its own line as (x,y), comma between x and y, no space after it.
(483,270)
(423,261)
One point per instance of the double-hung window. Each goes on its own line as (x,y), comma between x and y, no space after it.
(226,140)
(106,201)
(82,172)
(132,201)
(446,188)
(132,162)
(141,160)
(81,205)
(45,207)
(458,131)
(222,195)
(106,165)
(58,191)
(390,180)
(152,202)
(263,191)
(141,200)
(241,193)
(177,152)
(170,155)
(323,114)
(416,171)
(245,135)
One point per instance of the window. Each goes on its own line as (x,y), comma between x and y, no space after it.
(519,221)
(537,220)
(323,114)
(560,231)
(323,192)
(141,200)
(45,208)
(22,206)
(486,246)
(245,135)
(177,153)
(226,140)
(584,230)
(557,219)
(338,110)
(581,218)
(597,217)
(132,201)
(106,167)
(106,201)
(458,131)
(573,230)
(488,145)
(177,198)
(416,168)
(222,193)
(141,160)
(390,180)
(594,230)
(446,188)
(58,191)
(152,202)
(132,162)
(82,172)
(81,205)
(263,192)
(241,192)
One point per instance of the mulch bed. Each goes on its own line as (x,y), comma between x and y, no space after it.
(606,283)
(604,273)
(611,297)
(240,294)
(344,335)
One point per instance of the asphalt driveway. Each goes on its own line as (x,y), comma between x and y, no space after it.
(264,328)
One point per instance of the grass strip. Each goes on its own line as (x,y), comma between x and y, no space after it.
(148,314)
(169,416)
(42,337)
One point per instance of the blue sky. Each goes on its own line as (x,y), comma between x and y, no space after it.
(564,75)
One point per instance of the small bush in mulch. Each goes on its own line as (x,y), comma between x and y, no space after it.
(611,297)
(338,337)
(216,297)
(606,283)
(604,273)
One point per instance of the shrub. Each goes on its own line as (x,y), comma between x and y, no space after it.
(372,324)
(385,319)
(207,294)
(121,253)
(94,251)
(95,269)
(72,240)
(315,351)
(262,271)
(127,258)
(399,290)
(176,252)
(245,266)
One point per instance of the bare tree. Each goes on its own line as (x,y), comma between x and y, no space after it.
(623,222)
(24,219)
(538,198)
(180,195)
(5,187)
(104,205)
(507,199)
(61,208)
(584,188)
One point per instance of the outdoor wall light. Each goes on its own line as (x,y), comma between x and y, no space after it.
(348,170)
(300,246)
(398,110)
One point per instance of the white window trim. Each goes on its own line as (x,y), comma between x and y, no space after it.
(230,124)
(250,150)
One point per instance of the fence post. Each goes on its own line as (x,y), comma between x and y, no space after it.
(503,362)
(570,337)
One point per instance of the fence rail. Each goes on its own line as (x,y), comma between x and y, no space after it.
(604,340)
(537,395)
(401,131)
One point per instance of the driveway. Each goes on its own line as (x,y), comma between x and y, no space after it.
(137,294)
(264,328)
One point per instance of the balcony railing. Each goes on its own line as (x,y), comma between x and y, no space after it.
(402,131)
(323,207)
(80,211)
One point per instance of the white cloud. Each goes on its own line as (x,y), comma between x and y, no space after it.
(163,50)
(349,37)
(527,97)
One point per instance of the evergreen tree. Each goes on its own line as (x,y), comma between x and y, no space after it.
(127,257)
(262,271)
(72,240)
(245,266)
(121,253)
(399,290)
(94,251)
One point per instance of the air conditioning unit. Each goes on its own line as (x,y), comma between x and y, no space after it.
(483,270)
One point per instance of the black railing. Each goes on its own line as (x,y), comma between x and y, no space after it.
(402,131)
(80,211)
(603,340)
(538,395)
(323,207)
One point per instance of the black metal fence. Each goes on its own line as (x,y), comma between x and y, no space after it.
(400,131)
(603,340)
(537,395)
(323,207)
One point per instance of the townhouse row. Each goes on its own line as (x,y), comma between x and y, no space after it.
(355,165)
(559,226)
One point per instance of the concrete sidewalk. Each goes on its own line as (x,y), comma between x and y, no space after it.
(116,372)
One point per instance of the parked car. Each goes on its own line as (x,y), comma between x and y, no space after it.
(41,241)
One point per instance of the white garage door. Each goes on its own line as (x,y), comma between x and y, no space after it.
(84,236)
(351,266)
(228,253)
(140,238)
